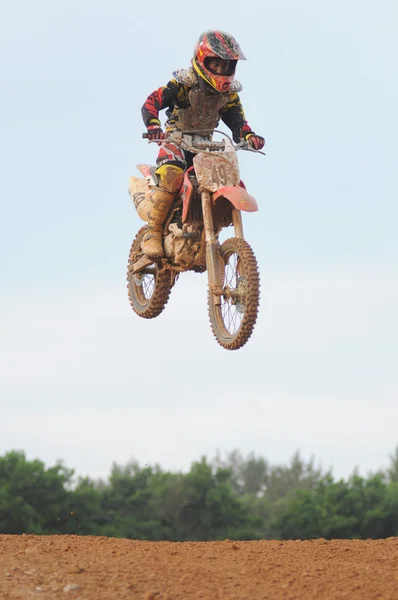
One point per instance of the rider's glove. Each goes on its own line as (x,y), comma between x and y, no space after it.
(155,132)
(256,141)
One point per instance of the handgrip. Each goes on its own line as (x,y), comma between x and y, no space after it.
(146,136)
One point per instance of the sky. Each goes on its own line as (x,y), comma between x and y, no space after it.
(85,380)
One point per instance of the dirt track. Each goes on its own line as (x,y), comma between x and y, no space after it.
(97,568)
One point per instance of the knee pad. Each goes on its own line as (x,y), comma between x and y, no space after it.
(170,177)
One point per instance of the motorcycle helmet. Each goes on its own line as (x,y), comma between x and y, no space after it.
(215,56)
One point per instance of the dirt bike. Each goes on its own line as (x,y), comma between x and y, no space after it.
(211,198)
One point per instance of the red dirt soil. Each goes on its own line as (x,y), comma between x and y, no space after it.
(99,568)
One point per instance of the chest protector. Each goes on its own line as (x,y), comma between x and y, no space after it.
(203,110)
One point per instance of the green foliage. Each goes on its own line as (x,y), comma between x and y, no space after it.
(359,508)
(231,498)
(256,477)
(85,514)
(208,508)
(32,499)
(392,472)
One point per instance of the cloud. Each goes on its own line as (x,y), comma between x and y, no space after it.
(340,432)
(85,379)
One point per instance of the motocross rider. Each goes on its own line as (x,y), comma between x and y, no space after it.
(196,99)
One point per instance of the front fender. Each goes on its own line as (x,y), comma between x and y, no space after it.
(238,196)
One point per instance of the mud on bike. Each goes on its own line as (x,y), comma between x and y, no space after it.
(212,198)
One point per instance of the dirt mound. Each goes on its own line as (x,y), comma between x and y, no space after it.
(98,568)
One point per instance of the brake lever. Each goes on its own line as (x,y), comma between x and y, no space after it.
(246,146)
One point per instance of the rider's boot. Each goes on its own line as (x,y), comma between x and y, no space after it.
(170,178)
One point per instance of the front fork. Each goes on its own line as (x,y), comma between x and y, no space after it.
(212,253)
(237,222)
(214,272)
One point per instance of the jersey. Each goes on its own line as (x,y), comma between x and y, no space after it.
(189,108)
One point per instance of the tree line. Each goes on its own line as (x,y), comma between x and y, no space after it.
(236,497)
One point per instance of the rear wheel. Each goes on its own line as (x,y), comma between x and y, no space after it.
(148,290)
(233,320)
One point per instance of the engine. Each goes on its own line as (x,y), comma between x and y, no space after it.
(182,245)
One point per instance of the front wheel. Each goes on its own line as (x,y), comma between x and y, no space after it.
(233,320)
(148,290)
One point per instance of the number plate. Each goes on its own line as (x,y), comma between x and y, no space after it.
(214,171)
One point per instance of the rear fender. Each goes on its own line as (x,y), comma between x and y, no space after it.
(237,196)
(148,172)
(138,190)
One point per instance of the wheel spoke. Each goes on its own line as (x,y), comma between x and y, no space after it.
(148,285)
(231,309)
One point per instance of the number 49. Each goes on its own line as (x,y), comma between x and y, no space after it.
(219,175)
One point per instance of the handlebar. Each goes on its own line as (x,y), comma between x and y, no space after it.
(197,146)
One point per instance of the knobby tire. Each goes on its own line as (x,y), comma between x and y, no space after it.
(247,277)
(147,307)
